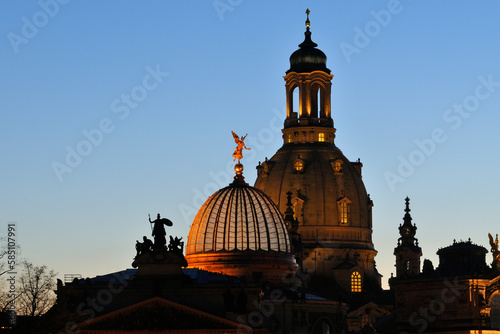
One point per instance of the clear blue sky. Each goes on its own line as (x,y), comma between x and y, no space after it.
(159,85)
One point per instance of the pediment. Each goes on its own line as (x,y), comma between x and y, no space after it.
(348,266)
(159,315)
(370,308)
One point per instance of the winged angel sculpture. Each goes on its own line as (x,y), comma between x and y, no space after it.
(494,249)
(238,152)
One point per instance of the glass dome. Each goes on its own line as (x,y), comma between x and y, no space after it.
(238,218)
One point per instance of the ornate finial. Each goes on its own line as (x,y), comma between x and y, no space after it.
(308,23)
(407,209)
(407,230)
(239,178)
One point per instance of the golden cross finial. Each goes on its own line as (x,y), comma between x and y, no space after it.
(307,21)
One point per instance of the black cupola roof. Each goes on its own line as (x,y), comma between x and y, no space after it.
(308,58)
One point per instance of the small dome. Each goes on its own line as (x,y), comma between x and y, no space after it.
(308,58)
(238,218)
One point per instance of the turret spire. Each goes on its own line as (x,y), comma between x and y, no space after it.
(407,230)
(407,218)
(308,43)
(407,252)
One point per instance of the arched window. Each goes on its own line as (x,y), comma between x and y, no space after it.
(355,282)
(295,102)
(317,98)
(344,208)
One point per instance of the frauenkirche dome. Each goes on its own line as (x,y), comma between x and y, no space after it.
(329,201)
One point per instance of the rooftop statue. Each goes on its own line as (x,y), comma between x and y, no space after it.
(238,152)
(159,257)
(493,244)
(159,231)
(176,245)
(494,250)
(143,247)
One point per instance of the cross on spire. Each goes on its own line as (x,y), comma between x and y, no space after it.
(308,23)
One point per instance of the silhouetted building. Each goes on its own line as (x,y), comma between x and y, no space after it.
(459,296)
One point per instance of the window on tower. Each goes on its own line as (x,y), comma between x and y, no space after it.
(321,137)
(289,138)
(344,207)
(295,102)
(355,282)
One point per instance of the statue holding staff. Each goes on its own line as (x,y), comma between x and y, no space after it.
(159,231)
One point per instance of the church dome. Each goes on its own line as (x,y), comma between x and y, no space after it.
(331,207)
(321,179)
(241,232)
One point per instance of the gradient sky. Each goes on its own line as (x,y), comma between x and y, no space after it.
(416,97)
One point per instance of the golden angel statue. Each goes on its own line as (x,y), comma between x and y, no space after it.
(495,252)
(239,149)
